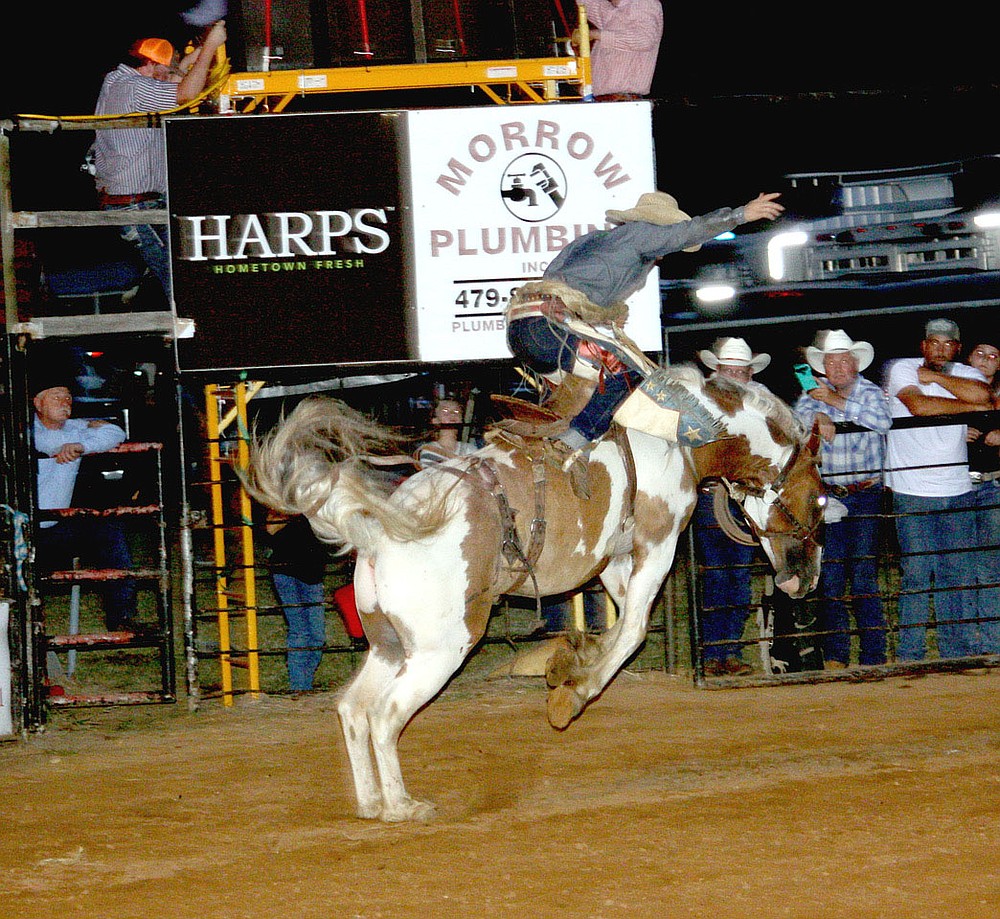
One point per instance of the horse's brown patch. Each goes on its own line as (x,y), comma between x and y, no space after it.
(726,396)
(573,526)
(654,522)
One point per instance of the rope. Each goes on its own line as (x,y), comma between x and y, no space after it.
(208,91)
(19,520)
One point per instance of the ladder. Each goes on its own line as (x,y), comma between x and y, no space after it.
(226,409)
(151,580)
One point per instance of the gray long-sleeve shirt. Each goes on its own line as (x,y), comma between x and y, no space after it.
(610,265)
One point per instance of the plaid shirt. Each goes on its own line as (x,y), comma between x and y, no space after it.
(624,59)
(859,456)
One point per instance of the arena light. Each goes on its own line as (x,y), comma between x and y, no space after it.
(987,219)
(715,293)
(776,247)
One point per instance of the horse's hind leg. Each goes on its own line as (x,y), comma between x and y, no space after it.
(364,690)
(419,680)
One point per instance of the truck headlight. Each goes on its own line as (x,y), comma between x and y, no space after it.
(776,247)
(715,293)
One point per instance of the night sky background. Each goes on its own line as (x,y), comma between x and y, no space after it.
(745,93)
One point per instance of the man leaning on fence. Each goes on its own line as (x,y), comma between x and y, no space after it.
(927,470)
(851,466)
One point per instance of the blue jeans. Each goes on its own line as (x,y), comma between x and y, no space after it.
(151,241)
(306,619)
(850,556)
(984,532)
(545,347)
(725,583)
(933,534)
(98,543)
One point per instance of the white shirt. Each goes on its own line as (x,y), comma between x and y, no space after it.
(914,456)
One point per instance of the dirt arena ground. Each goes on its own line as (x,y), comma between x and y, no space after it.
(842,799)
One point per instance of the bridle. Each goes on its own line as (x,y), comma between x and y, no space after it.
(770,495)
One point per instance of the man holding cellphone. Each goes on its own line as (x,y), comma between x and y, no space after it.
(851,467)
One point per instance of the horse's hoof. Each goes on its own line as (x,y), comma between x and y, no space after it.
(410,810)
(370,811)
(563,706)
(561,666)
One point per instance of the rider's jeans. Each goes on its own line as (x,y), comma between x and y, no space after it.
(545,347)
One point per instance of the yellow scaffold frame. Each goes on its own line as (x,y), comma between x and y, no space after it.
(217,424)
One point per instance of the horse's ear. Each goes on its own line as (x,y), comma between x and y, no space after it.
(812,444)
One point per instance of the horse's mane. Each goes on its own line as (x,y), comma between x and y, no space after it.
(759,398)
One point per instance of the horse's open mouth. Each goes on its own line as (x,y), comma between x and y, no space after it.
(794,586)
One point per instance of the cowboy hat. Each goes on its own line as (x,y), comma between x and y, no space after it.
(837,341)
(652,207)
(733,352)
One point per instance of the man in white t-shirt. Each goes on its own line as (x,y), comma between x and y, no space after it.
(927,470)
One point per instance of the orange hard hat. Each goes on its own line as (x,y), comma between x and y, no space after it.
(154,49)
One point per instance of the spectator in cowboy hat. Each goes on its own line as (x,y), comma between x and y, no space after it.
(589,281)
(732,357)
(851,466)
(130,168)
(726,590)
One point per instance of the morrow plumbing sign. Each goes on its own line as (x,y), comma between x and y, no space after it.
(498,192)
(381,237)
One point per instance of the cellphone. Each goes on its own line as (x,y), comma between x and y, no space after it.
(804,374)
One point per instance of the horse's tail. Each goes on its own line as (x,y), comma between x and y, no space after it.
(314,463)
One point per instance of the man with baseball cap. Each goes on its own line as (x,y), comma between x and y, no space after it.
(851,466)
(130,163)
(60,441)
(726,589)
(928,472)
(585,287)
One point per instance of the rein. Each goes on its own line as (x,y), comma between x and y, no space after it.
(770,494)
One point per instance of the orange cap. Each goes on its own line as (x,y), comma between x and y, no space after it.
(154,49)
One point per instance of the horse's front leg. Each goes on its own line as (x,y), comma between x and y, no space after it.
(580,669)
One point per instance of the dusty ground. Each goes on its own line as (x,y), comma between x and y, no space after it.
(861,800)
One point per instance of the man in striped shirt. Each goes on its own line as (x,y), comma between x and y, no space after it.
(130,163)
(626,36)
(851,466)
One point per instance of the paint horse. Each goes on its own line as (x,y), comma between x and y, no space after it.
(435,554)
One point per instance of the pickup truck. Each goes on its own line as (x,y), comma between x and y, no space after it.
(914,234)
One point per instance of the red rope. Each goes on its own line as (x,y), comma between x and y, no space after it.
(458,28)
(562,15)
(366,47)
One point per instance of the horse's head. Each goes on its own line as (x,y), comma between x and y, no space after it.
(771,470)
(785,514)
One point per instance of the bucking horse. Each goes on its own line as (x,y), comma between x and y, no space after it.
(436,552)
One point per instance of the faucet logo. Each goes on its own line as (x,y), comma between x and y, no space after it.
(533,187)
